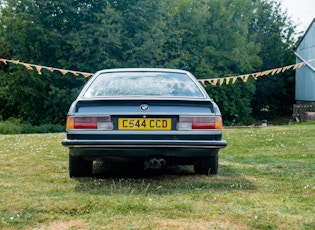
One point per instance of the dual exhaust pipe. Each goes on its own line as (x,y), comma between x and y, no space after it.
(154,163)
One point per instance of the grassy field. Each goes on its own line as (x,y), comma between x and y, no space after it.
(266,180)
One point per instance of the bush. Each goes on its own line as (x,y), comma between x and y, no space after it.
(15,126)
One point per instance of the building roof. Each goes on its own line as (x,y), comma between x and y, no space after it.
(309,27)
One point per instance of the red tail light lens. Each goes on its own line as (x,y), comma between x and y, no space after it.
(85,123)
(203,123)
(103,123)
(199,122)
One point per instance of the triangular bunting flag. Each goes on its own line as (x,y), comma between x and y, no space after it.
(227,80)
(245,78)
(4,61)
(297,66)
(64,72)
(302,64)
(279,70)
(268,72)
(284,69)
(213,82)
(221,81)
(38,68)
(264,73)
(274,71)
(27,66)
(75,73)
(290,66)
(210,82)
(234,80)
(86,74)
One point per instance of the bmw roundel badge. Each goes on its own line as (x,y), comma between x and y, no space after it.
(144,107)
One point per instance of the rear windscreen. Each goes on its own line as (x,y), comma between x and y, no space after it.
(159,84)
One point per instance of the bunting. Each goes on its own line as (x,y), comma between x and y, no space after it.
(39,68)
(211,81)
(245,77)
(255,76)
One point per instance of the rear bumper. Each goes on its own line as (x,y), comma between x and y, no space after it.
(135,148)
(216,144)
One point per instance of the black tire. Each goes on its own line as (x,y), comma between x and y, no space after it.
(78,167)
(208,165)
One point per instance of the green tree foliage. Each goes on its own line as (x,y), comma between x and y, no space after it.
(274,31)
(228,52)
(210,38)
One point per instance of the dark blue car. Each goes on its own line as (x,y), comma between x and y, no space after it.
(154,116)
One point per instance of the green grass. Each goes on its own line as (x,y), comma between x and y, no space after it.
(266,181)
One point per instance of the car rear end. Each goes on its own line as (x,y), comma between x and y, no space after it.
(157,129)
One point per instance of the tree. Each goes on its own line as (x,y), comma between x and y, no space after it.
(214,44)
(210,38)
(274,30)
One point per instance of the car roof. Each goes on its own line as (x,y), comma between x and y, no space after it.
(143,70)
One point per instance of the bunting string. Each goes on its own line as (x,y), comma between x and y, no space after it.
(255,76)
(211,81)
(39,68)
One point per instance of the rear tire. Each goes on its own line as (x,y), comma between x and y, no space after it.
(78,167)
(208,165)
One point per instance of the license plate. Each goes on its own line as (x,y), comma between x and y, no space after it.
(144,123)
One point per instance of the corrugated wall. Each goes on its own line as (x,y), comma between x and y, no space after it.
(305,76)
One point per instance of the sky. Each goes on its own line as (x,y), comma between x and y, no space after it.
(302,12)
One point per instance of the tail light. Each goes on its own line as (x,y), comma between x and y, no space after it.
(199,122)
(102,123)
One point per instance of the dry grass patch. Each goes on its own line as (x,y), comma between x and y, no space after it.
(64,225)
